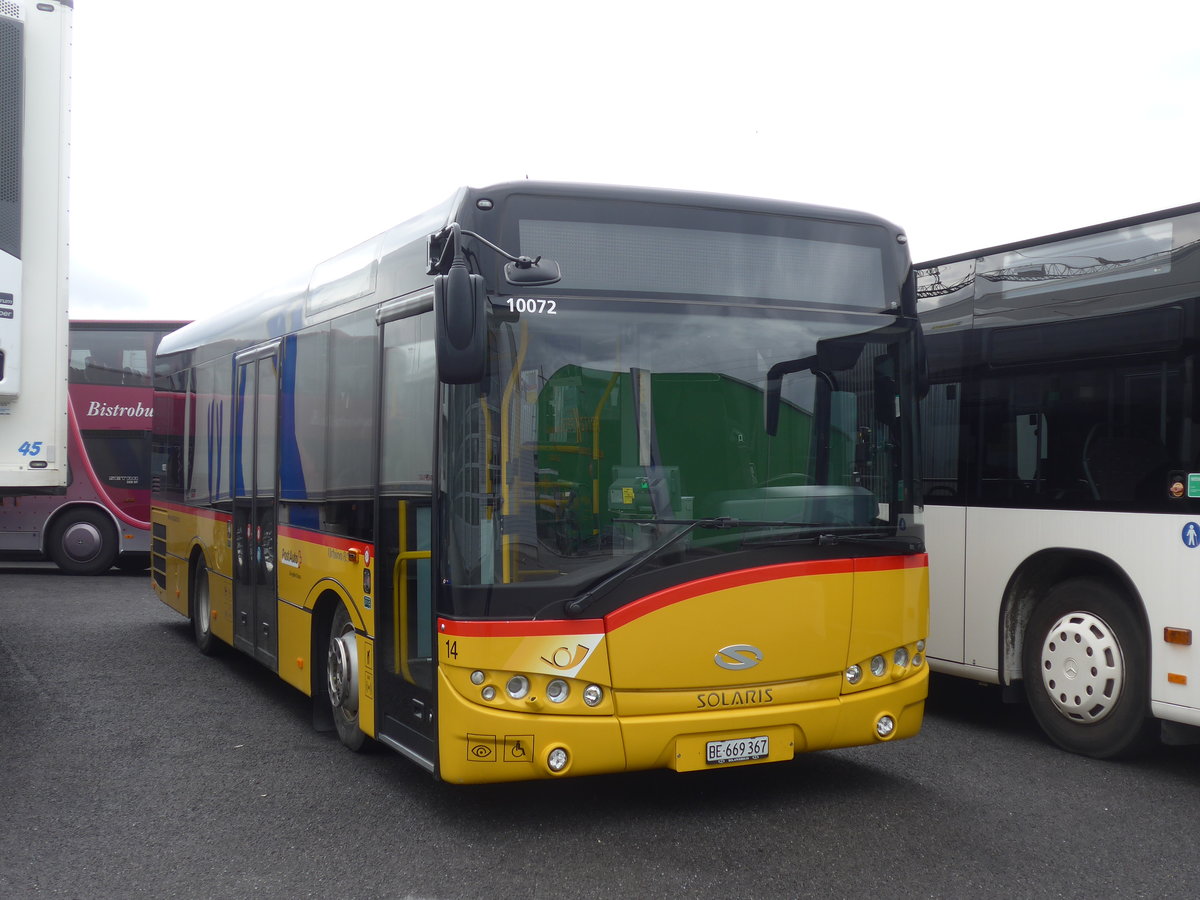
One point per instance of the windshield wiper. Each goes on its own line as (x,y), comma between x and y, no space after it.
(850,534)
(587,598)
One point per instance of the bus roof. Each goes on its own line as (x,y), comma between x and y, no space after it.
(700,199)
(1062,236)
(357,274)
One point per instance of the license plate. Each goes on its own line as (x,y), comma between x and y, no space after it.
(737,750)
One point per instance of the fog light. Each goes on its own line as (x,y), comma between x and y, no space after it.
(477,677)
(557,760)
(885,726)
(878,666)
(900,657)
(592,695)
(557,690)
(517,687)
(489,693)
(854,674)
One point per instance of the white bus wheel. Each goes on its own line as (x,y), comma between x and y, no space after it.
(1086,670)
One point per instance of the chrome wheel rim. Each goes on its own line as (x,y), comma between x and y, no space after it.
(342,671)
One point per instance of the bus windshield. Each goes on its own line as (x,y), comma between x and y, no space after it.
(607,431)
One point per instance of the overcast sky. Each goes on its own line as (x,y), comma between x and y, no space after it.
(219,149)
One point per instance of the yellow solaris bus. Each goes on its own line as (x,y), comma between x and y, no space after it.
(559,479)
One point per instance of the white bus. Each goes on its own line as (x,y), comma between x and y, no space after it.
(1062,476)
(35,41)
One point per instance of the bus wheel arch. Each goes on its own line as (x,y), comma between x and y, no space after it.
(82,539)
(1078,632)
(337,674)
(1032,580)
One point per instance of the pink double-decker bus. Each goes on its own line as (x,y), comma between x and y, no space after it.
(103,517)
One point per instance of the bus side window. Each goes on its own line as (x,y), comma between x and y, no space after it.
(1116,465)
(1031,446)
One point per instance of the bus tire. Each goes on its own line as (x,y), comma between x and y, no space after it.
(1087,673)
(82,541)
(201,606)
(341,677)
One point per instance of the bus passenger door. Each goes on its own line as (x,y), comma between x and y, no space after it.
(405,668)
(255,614)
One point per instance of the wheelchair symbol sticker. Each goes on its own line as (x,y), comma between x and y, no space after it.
(518,748)
(1191,535)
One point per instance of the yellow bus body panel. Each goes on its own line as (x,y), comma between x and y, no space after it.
(309,565)
(760,653)
(891,608)
(751,654)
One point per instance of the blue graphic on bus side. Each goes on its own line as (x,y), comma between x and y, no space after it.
(1191,535)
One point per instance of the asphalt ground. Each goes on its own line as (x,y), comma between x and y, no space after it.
(133,766)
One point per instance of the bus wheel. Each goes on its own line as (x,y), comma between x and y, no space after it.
(1087,672)
(202,612)
(83,542)
(341,675)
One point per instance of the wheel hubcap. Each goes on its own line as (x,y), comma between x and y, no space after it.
(343,672)
(1083,670)
(82,541)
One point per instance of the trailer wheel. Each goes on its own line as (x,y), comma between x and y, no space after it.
(82,541)
(1087,670)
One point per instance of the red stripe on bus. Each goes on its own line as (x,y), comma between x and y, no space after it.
(889,563)
(690,589)
(337,542)
(520,628)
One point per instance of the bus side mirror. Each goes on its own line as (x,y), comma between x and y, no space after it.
(460,331)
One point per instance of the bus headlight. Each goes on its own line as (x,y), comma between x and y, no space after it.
(900,657)
(557,760)
(854,674)
(878,666)
(517,687)
(593,694)
(557,691)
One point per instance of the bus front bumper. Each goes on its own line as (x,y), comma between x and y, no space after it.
(479,745)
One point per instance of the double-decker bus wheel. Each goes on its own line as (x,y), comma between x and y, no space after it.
(82,541)
(1086,670)
(341,674)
